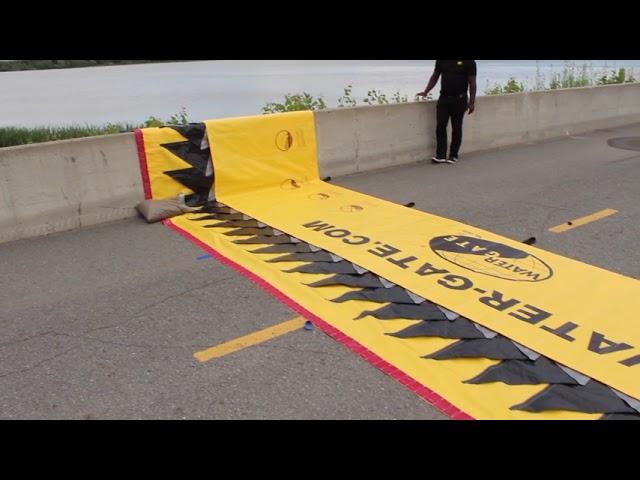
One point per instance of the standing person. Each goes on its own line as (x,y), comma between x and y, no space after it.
(458,76)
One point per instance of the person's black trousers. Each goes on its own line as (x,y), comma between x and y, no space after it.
(454,108)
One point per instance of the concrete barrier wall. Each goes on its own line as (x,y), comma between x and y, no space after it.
(365,138)
(56,186)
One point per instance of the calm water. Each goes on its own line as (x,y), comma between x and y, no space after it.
(214,89)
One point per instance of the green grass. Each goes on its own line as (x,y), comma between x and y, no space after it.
(10,136)
(571,76)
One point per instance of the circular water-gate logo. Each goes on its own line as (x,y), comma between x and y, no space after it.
(284,140)
(491,258)
(351,208)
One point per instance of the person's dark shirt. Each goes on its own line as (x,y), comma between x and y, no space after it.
(454,75)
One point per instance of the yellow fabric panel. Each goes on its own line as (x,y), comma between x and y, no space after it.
(282,152)
(160,160)
(445,377)
(266,167)
(520,291)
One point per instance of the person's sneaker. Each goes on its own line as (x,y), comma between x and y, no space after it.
(438,160)
(452,159)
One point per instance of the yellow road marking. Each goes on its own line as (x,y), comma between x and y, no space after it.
(583,220)
(249,340)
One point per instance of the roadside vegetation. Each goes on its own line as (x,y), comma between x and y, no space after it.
(11,136)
